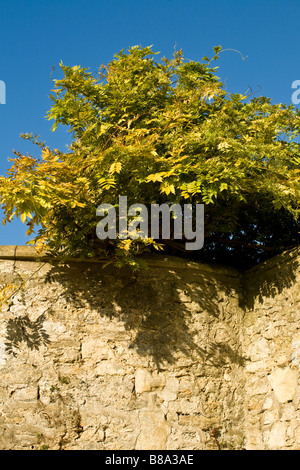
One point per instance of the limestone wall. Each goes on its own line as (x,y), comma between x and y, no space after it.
(181,356)
(271,342)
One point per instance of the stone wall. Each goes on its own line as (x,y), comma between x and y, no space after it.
(271,342)
(180,356)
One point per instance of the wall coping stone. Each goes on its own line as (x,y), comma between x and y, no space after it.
(277,260)
(28,253)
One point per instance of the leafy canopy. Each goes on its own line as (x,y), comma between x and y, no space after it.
(161,131)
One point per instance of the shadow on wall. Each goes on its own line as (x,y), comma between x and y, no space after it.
(22,330)
(169,313)
(270,278)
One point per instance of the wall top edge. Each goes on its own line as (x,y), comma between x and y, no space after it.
(28,253)
(278,260)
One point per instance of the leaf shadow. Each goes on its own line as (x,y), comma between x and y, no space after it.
(170,312)
(23,330)
(269,279)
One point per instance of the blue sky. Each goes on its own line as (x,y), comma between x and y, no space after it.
(36,35)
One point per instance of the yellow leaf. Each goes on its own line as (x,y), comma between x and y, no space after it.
(24,217)
(167,188)
(116,167)
(155,177)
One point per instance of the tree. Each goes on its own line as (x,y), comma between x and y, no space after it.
(161,131)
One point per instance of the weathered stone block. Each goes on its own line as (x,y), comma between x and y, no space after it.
(284,383)
(143,381)
(154,431)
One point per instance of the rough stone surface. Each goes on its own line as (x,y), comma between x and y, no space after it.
(181,356)
(271,336)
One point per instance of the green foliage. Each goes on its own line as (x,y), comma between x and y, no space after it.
(161,131)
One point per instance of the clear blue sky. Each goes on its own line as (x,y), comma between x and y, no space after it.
(37,34)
